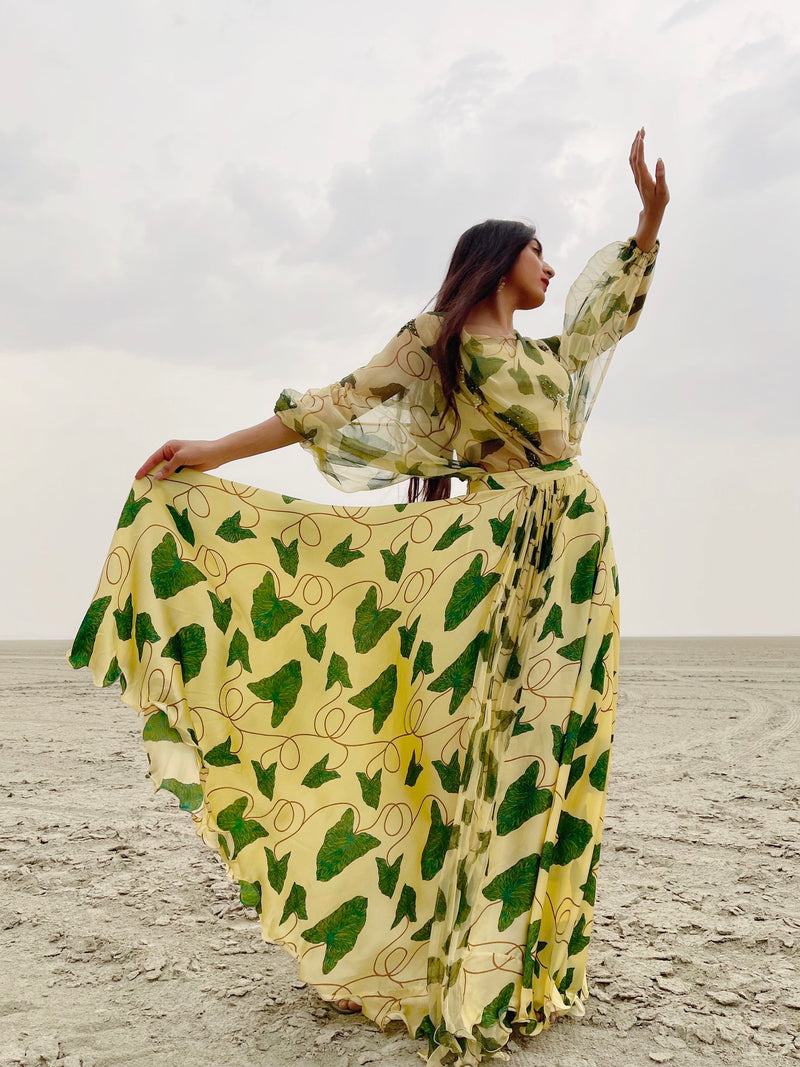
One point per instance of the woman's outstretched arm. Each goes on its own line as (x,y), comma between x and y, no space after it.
(653,191)
(205,455)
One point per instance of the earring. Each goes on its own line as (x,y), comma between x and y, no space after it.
(502,285)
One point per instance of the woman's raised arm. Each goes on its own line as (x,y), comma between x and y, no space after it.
(653,191)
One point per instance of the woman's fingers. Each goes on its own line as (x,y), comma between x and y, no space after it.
(152,461)
(169,454)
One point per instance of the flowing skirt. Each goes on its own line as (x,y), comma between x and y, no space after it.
(392,723)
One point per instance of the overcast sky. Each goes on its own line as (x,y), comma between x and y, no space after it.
(204,201)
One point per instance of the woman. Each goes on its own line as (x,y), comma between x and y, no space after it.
(394,724)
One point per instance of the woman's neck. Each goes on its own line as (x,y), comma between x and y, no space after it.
(493,317)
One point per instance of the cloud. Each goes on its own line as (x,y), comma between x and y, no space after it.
(26,179)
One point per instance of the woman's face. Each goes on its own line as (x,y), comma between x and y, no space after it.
(529,277)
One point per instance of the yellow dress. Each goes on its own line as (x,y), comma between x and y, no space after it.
(394,724)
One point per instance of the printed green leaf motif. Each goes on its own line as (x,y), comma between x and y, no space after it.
(598,773)
(533,353)
(564,743)
(168,573)
(522,378)
(436,845)
(572,837)
(460,674)
(424,932)
(408,635)
(549,388)
(451,535)
(379,696)
(370,788)
(588,728)
(576,770)
(239,650)
(414,770)
(338,672)
(394,562)
(406,906)
(566,981)
(598,668)
(388,875)
(339,931)
(315,640)
(130,510)
(232,531)
(250,895)
(265,779)
(190,797)
(295,903)
(123,617)
(579,506)
(589,887)
(468,592)
(188,647)
(182,523)
(288,555)
(523,800)
(574,650)
(157,728)
(520,727)
(281,688)
(319,774)
(496,1009)
(277,870)
(221,756)
(243,831)
(515,887)
(370,624)
(577,941)
(83,645)
(341,847)
(500,529)
(222,612)
(552,624)
(582,584)
(112,673)
(269,613)
(145,631)
(423,661)
(449,773)
(343,554)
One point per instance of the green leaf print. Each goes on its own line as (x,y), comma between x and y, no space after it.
(370,788)
(239,650)
(500,529)
(168,573)
(339,931)
(343,554)
(190,797)
(123,617)
(388,875)
(232,531)
(338,672)
(598,668)
(424,932)
(582,584)
(288,555)
(341,847)
(532,352)
(157,728)
(481,367)
(414,770)
(269,613)
(460,674)
(576,770)
(182,523)
(222,612)
(281,688)
(515,887)
(130,510)
(451,535)
(112,673)
(577,941)
(250,895)
(566,981)
(315,640)
(449,773)
(145,631)
(423,661)
(243,831)
(265,779)
(378,696)
(406,906)
(549,388)
(520,727)
(589,887)
(588,728)
(552,624)
(295,903)
(83,645)
(319,774)
(599,773)
(394,562)
(408,635)
(436,845)
(221,756)
(522,801)
(188,647)
(522,378)
(574,650)
(469,590)
(579,506)
(572,837)
(496,1009)
(277,870)
(370,624)
(564,743)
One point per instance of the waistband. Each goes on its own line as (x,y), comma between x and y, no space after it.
(521,476)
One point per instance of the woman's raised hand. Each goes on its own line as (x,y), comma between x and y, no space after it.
(652,190)
(199,455)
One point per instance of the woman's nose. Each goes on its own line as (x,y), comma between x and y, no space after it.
(549,270)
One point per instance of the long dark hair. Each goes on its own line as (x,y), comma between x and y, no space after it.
(482,256)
